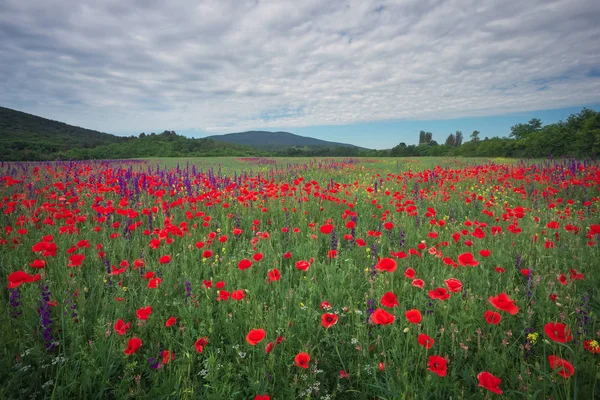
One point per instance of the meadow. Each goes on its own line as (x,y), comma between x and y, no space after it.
(256,278)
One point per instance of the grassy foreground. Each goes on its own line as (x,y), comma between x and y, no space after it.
(300,278)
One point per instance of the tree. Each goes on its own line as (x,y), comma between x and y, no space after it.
(475,136)
(458,138)
(450,140)
(522,131)
(425,137)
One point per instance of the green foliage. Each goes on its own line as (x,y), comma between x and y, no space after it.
(578,137)
(25,137)
(279,141)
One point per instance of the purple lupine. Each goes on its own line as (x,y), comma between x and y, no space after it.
(154,362)
(402,237)
(583,312)
(15,303)
(45,317)
(371,303)
(72,305)
(518,262)
(429,309)
(188,290)
(334,241)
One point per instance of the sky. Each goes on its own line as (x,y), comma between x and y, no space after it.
(367,72)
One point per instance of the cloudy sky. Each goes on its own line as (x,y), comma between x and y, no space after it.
(368,72)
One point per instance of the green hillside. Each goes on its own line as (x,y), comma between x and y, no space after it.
(276,141)
(26,137)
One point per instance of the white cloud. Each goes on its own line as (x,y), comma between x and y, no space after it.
(222,66)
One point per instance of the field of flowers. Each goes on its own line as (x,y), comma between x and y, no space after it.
(298,279)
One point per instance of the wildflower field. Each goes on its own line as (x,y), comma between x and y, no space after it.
(300,279)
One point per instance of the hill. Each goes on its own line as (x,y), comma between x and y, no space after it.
(32,137)
(276,140)
(26,137)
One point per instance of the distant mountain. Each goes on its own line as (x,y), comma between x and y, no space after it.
(276,140)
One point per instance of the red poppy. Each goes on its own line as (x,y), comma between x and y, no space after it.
(325,305)
(18,278)
(257,257)
(439,294)
(144,312)
(133,345)
(562,367)
(437,365)
(492,317)
(244,264)
(200,343)
(504,303)
(223,295)
(170,322)
(425,341)
(274,275)
(592,346)
(207,254)
(262,397)
(38,264)
(453,284)
(485,253)
(490,382)
(302,265)
(302,360)
(409,273)
(413,316)
(558,332)
(167,356)
(328,320)
(418,283)
(238,295)
(562,278)
(326,229)
(121,327)
(467,259)
(382,317)
(76,260)
(255,336)
(269,347)
(386,264)
(154,283)
(148,275)
(389,300)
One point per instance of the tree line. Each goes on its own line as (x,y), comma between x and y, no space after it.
(30,139)
(578,136)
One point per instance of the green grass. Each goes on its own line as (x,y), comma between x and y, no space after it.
(88,359)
